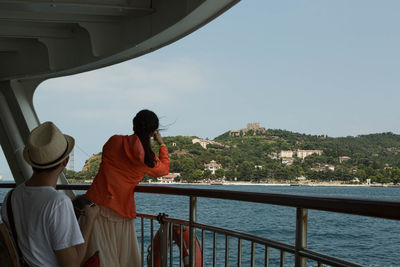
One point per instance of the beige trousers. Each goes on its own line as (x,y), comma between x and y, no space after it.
(115,239)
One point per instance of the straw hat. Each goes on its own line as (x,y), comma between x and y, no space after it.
(47,146)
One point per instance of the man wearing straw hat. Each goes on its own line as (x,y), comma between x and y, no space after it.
(46,227)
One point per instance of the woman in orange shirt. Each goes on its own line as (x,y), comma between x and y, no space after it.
(125,161)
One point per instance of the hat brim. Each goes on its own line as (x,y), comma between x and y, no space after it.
(70,146)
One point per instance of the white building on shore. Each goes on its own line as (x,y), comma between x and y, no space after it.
(212,166)
(169,178)
(286,154)
(305,153)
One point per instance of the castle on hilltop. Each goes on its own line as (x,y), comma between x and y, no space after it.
(253,128)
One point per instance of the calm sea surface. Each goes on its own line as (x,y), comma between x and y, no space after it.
(362,240)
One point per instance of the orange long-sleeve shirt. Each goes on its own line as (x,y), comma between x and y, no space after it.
(122,168)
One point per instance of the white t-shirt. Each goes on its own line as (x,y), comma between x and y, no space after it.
(45,221)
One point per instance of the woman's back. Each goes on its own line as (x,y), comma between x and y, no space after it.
(121,169)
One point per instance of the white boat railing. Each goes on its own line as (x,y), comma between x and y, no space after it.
(364,207)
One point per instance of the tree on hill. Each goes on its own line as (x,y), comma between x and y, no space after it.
(220,173)
(373,156)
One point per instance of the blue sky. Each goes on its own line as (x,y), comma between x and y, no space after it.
(315,67)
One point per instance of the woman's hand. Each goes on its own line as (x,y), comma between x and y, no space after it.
(158,138)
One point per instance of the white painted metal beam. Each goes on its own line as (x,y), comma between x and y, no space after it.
(86,44)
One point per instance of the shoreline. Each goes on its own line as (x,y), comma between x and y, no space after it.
(333,184)
(241,183)
(231,183)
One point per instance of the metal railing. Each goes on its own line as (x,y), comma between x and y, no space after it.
(372,208)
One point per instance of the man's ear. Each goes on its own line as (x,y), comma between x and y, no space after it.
(65,162)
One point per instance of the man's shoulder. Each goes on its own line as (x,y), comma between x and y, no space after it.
(45,194)
(36,190)
(59,198)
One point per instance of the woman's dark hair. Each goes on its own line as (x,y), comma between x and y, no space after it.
(144,123)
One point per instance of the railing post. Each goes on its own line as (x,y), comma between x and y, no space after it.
(164,242)
(192,233)
(301,235)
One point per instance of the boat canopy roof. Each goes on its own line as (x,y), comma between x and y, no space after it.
(40,39)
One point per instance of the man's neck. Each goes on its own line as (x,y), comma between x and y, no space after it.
(43,179)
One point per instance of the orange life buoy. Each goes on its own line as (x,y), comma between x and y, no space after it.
(176,237)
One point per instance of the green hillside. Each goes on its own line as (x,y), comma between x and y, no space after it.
(255,157)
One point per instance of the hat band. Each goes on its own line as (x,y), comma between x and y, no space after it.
(52,162)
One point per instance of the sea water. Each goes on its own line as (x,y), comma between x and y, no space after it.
(362,240)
